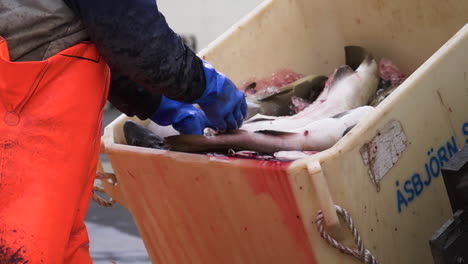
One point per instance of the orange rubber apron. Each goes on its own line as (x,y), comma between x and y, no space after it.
(50,127)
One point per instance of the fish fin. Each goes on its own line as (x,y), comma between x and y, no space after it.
(348,129)
(355,55)
(275,133)
(308,86)
(339,115)
(317,86)
(300,87)
(259,118)
(367,60)
(269,97)
(341,73)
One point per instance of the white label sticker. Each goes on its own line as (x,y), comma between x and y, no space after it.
(383,151)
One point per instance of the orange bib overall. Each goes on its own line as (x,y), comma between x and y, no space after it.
(50,127)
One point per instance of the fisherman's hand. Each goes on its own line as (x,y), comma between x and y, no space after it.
(185,118)
(223,103)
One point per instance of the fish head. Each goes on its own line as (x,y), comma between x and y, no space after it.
(137,135)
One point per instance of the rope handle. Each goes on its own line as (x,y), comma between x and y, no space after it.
(324,198)
(98,199)
(361,253)
(101,175)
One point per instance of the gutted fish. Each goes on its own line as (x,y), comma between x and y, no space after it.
(293,155)
(279,102)
(331,107)
(349,89)
(315,136)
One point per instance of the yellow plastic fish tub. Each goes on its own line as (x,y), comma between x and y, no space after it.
(386,173)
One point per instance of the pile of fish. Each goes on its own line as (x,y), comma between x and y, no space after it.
(286,123)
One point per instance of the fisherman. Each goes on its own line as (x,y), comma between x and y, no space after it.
(57,59)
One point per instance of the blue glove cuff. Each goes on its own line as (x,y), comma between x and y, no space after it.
(214,84)
(167,112)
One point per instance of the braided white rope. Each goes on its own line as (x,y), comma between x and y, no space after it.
(360,252)
(99,200)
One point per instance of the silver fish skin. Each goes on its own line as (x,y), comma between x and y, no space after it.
(292,155)
(349,89)
(279,102)
(316,136)
(162,131)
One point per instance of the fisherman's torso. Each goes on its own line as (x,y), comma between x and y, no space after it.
(38,29)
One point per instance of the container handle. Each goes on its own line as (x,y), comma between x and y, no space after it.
(98,199)
(324,198)
(361,252)
(110,186)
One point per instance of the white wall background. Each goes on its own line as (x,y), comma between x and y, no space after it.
(206,19)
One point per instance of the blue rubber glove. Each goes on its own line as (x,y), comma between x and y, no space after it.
(185,118)
(223,103)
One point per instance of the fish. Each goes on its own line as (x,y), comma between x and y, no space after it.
(381,95)
(340,103)
(352,86)
(278,102)
(390,72)
(318,135)
(293,155)
(248,154)
(390,79)
(140,136)
(162,131)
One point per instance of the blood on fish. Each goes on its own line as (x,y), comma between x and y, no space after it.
(277,79)
(330,79)
(316,128)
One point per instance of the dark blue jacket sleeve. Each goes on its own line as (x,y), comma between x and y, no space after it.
(131,98)
(136,42)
